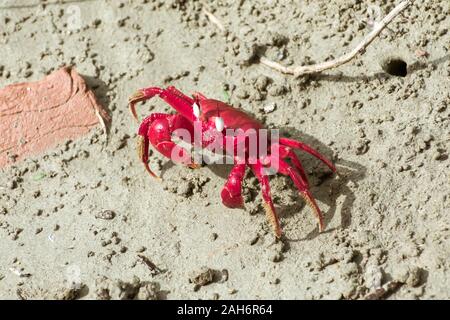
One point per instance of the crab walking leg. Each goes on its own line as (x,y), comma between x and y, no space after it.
(287,152)
(301,146)
(175,98)
(258,170)
(303,189)
(232,191)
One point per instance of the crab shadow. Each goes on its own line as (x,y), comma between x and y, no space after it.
(101,90)
(325,186)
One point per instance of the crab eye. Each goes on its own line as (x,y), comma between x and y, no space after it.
(220,125)
(196,110)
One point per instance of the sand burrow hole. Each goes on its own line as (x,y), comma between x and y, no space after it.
(395,67)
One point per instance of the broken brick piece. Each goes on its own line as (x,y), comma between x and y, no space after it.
(37,116)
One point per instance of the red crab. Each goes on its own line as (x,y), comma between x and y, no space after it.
(215,118)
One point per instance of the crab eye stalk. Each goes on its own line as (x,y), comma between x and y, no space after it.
(196,110)
(220,124)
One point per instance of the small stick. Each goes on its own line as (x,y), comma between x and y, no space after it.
(214,20)
(384,291)
(316,68)
(360,48)
(149,264)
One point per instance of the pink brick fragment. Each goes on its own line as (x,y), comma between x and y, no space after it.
(37,116)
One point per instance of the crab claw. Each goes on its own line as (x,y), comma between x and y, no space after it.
(143,146)
(135,98)
(232,201)
(142,95)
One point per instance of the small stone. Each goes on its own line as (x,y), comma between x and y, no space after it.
(225,275)
(254,240)
(196,287)
(106,215)
(214,236)
(149,291)
(262,82)
(28,73)
(442,106)
(16,233)
(12,184)
(96,23)
(276,257)
(414,277)
(241,93)
(275,281)
(277,90)
(361,146)
(270,107)
(141,249)
(105,243)
(428,138)
(305,103)
(202,278)
(185,188)
(247,54)
(68,294)
(437,155)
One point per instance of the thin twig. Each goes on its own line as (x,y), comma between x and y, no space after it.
(384,291)
(316,68)
(153,268)
(214,20)
(360,48)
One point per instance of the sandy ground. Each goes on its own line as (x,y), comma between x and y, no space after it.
(85,220)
